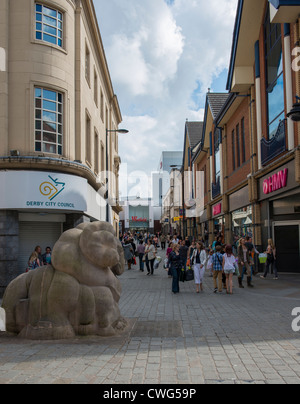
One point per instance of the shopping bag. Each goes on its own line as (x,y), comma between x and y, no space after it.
(182,275)
(263,258)
(189,275)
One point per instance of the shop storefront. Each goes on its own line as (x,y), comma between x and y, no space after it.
(35,209)
(280,201)
(139,218)
(139,215)
(218,221)
(241,215)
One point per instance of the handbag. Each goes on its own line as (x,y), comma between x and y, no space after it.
(189,275)
(182,275)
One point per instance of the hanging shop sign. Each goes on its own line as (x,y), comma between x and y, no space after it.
(217,209)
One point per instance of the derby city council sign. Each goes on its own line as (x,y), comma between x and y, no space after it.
(42,190)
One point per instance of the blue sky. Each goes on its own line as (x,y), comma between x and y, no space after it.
(163,55)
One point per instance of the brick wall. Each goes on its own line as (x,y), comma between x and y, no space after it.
(239,174)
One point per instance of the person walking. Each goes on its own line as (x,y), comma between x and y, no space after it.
(183,251)
(141,253)
(163,241)
(244,260)
(229,268)
(128,253)
(217,269)
(271,260)
(150,253)
(199,260)
(175,268)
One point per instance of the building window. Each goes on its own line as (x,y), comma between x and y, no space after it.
(274,75)
(48,25)
(96,88)
(238,146)
(96,152)
(87,64)
(102,158)
(102,105)
(48,121)
(88,139)
(233,150)
(243,135)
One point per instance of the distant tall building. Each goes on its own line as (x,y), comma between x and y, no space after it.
(161,179)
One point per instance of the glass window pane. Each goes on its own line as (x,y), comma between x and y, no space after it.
(39,17)
(59,42)
(39,8)
(59,140)
(38,114)
(59,97)
(59,118)
(38,135)
(49,105)
(38,26)
(50,30)
(50,39)
(59,16)
(49,11)
(49,137)
(274,126)
(59,150)
(49,148)
(275,64)
(60,129)
(38,35)
(49,116)
(38,92)
(59,24)
(38,125)
(49,95)
(49,126)
(276,99)
(49,21)
(38,146)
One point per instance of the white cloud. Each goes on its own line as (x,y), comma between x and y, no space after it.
(162,60)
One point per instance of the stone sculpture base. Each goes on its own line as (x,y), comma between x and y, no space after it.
(77,295)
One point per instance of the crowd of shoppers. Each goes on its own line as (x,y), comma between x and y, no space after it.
(221,261)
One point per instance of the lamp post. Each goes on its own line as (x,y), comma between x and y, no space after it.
(294,114)
(108,131)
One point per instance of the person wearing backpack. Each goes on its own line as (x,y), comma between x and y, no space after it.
(217,268)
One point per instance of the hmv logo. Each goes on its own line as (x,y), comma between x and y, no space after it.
(276,182)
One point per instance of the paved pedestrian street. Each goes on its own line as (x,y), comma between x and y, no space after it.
(184,339)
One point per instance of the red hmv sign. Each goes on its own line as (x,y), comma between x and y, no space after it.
(136,220)
(276,182)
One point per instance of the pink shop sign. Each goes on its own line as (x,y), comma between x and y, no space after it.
(217,209)
(275,182)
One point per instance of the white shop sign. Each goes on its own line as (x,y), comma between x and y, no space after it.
(42,190)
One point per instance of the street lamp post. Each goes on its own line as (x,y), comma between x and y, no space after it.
(108,131)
